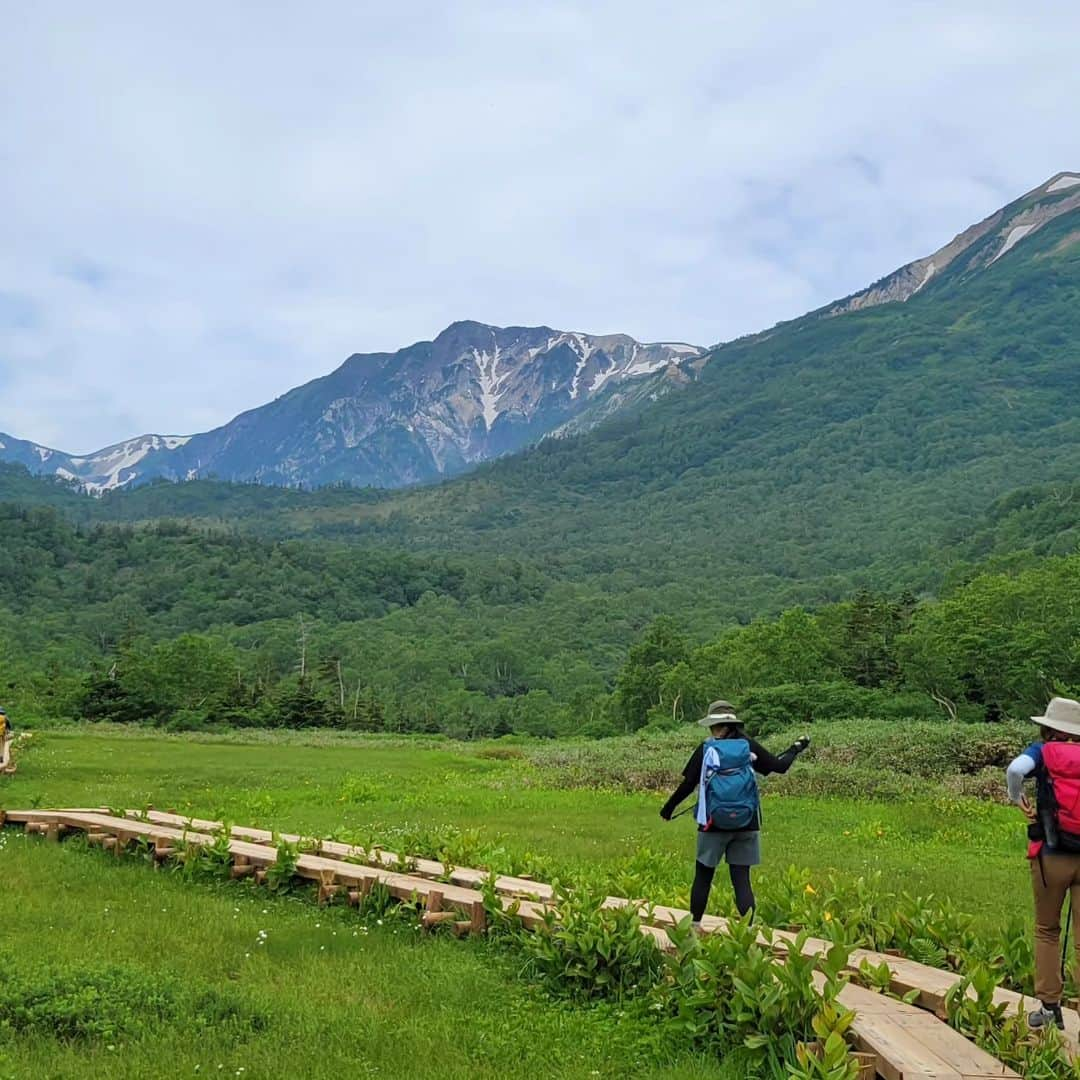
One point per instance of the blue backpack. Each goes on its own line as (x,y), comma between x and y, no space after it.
(731,792)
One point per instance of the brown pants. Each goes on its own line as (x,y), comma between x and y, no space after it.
(1062,876)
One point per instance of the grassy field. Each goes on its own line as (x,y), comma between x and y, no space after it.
(326,993)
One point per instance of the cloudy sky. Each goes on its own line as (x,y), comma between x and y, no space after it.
(207,204)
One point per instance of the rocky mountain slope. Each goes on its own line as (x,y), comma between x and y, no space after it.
(389,419)
(1001,231)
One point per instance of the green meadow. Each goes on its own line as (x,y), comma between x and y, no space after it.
(212,978)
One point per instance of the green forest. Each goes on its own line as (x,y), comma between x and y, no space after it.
(188,626)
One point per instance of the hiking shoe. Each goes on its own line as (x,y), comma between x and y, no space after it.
(1046,1016)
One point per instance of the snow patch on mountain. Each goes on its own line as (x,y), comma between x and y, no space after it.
(1015,236)
(1063,183)
(487,364)
(583,350)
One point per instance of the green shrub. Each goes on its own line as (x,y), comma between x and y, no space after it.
(727,991)
(585,951)
(109,1003)
(768,709)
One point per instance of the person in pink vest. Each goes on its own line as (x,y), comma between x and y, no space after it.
(1053,762)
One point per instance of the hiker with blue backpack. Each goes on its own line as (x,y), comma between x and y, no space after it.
(1053,762)
(721,771)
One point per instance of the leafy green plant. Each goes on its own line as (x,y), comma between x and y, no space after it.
(971,1009)
(585,951)
(831,1060)
(281,871)
(728,990)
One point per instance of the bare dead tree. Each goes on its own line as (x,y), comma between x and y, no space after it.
(303,641)
(945,703)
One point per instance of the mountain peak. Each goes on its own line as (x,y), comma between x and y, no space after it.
(1062,181)
(426,411)
(976,248)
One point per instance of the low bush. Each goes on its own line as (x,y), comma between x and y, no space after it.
(585,951)
(112,1003)
(869,758)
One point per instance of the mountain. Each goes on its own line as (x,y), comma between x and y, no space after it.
(829,451)
(390,419)
(105,470)
(976,248)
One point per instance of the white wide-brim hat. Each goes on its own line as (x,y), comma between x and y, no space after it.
(1062,714)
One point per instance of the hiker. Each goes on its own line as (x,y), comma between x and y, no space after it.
(6,765)
(1053,843)
(721,771)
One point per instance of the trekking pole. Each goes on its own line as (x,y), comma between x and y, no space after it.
(684,810)
(1065,940)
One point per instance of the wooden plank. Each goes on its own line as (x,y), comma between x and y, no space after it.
(314,867)
(505,884)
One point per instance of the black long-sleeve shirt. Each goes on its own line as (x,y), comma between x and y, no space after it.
(763,761)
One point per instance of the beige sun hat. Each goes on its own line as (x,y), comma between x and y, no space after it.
(720,712)
(1062,714)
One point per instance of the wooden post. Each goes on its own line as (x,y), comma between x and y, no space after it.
(241,867)
(52,832)
(328,886)
(477,917)
(433,918)
(868,1065)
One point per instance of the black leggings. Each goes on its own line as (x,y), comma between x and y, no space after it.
(703,878)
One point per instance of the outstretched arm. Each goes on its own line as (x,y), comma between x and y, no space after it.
(766,762)
(686,788)
(690,781)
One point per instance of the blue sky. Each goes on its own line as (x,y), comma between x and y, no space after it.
(209,204)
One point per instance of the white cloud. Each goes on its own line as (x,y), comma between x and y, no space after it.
(219,202)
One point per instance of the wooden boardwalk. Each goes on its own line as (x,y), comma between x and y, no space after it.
(907,1041)
(931,984)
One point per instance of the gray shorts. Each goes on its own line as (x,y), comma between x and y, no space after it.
(740,847)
